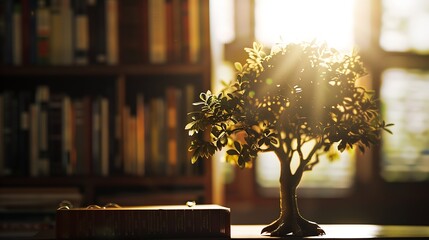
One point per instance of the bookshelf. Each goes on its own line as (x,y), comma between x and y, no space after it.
(138,64)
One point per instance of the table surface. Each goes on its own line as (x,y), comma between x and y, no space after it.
(333,231)
(343,231)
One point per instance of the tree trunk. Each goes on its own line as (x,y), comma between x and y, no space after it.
(290,220)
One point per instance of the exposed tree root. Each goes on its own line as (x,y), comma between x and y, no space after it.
(288,226)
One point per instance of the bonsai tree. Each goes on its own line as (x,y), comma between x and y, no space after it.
(295,95)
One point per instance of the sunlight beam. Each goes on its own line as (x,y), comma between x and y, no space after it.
(305,20)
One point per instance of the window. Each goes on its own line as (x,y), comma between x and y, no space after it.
(305,20)
(404,26)
(291,21)
(406,103)
(404,90)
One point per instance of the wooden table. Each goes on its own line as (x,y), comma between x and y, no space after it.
(343,231)
(333,231)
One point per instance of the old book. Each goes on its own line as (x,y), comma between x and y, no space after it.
(97,31)
(157,31)
(174,221)
(43,31)
(112,42)
(132,16)
(81,32)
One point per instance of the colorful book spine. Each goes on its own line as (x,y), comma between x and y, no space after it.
(43,32)
(157,32)
(81,32)
(42,101)
(140,135)
(112,42)
(66,32)
(56,33)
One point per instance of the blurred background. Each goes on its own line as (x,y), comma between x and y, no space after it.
(387,185)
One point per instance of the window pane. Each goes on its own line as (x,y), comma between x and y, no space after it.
(405,102)
(405,26)
(334,175)
(305,20)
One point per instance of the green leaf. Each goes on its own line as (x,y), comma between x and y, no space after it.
(241,162)
(194,159)
(190,125)
(232,152)
(238,66)
(237,146)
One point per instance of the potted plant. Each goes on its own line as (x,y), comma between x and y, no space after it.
(298,94)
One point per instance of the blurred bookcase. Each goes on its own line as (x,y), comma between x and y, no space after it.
(93,101)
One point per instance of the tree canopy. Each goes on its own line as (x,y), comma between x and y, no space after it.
(295,94)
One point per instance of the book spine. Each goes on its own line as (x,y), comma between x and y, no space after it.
(66,138)
(66,31)
(140,137)
(100,37)
(97,31)
(158,137)
(79,139)
(119,121)
(112,42)
(96,161)
(33,39)
(8,32)
(145,30)
(2,32)
(185,30)
(177,31)
(81,32)
(42,99)
(157,32)
(26,31)
(131,31)
(87,135)
(34,143)
(24,99)
(17,33)
(55,111)
(169,23)
(8,137)
(194,31)
(189,169)
(56,34)
(43,31)
(126,132)
(132,144)
(172,118)
(104,136)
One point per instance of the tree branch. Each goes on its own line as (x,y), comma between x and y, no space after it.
(306,161)
(309,166)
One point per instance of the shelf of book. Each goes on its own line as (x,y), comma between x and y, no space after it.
(101,70)
(95,93)
(94,98)
(116,181)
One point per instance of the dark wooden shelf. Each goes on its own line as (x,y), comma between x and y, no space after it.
(189,181)
(100,70)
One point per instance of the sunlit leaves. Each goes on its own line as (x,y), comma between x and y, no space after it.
(305,91)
